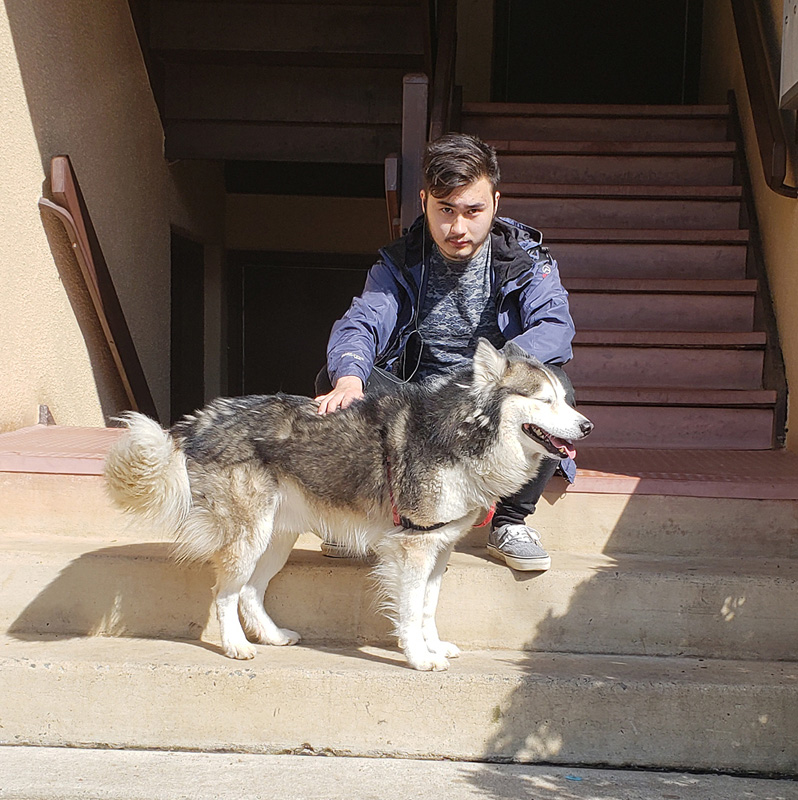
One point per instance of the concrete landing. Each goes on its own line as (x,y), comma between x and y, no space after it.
(45,773)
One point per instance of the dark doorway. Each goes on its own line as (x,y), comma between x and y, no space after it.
(586,51)
(282,308)
(187,380)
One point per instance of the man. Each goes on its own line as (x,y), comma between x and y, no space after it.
(460,273)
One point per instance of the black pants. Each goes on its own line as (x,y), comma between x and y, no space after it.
(510,510)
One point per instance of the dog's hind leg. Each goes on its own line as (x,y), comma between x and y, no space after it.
(257,623)
(407,562)
(235,565)
(428,626)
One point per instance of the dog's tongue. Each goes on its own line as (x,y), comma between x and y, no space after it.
(563,444)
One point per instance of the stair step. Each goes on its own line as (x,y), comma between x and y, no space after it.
(630,359)
(617,504)
(286,94)
(501,705)
(661,305)
(394,28)
(407,62)
(563,123)
(62,773)
(648,261)
(683,427)
(58,585)
(622,163)
(683,236)
(277,141)
(620,212)
(701,398)
(613,191)
(601,111)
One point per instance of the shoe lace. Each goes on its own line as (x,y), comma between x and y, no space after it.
(517,533)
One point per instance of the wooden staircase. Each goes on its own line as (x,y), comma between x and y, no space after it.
(306,81)
(642,209)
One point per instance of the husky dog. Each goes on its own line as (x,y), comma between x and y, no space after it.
(405,474)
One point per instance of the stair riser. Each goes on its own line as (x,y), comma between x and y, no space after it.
(680,428)
(664,261)
(586,129)
(661,312)
(583,522)
(550,708)
(579,606)
(632,367)
(293,28)
(282,94)
(580,212)
(618,170)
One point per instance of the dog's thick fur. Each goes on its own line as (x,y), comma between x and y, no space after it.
(239,481)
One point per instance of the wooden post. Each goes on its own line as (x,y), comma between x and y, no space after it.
(414,139)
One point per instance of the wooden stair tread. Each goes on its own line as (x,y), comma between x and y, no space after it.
(588,110)
(745,474)
(506,147)
(746,398)
(661,286)
(647,236)
(337,58)
(622,191)
(703,339)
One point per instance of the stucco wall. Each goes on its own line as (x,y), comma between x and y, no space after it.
(721,69)
(72,81)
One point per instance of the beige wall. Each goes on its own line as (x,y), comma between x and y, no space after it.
(721,69)
(72,81)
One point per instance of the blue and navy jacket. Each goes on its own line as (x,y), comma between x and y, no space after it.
(532,305)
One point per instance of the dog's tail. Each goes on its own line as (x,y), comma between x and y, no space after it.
(145,473)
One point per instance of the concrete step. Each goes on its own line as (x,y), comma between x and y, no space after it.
(501,705)
(668,359)
(732,607)
(661,305)
(619,163)
(50,773)
(647,207)
(546,123)
(650,502)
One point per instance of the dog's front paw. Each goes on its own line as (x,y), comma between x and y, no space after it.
(286,637)
(446,649)
(242,651)
(431,662)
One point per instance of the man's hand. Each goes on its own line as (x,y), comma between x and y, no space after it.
(347,389)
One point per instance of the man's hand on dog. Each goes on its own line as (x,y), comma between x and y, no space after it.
(347,389)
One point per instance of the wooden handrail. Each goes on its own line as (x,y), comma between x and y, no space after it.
(443,82)
(768,124)
(70,208)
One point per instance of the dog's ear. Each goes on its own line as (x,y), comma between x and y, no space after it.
(489,365)
(512,350)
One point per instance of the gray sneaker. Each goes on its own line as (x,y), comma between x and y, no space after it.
(519,547)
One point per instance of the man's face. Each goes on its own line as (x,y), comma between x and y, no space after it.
(460,222)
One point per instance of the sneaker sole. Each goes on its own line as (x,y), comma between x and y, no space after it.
(335,551)
(540,564)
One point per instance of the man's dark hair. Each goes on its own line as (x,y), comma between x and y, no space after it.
(457,159)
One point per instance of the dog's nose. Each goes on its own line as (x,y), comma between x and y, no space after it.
(586,427)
